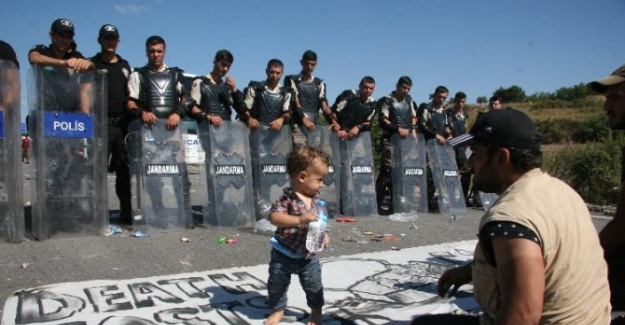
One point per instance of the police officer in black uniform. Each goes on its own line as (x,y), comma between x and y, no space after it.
(309,95)
(397,114)
(156,93)
(62,61)
(117,73)
(434,123)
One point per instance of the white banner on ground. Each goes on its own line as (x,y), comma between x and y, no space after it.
(373,288)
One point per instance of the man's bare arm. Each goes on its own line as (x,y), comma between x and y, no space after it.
(521,278)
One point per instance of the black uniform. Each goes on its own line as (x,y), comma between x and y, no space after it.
(117,79)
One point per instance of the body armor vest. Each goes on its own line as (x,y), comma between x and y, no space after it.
(267,105)
(355,112)
(438,121)
(458,124)
(400,113)
(215,99)
(159,89)
(309,97)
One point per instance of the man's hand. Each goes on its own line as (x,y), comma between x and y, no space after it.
(353,132)
(252,123)
(172,122)
(341,134)
(148,117)
(440,138)
(308,124)
(215,120)
(403,133)
(231,84)
(453,279)
(80,65)
(276,124)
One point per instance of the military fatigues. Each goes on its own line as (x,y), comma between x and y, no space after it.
(117,74)
(310,94)
(159,92)
(458,124)
(400,114)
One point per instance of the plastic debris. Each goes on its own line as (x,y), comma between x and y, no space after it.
(231,241)
(139,233)
(403,217)
(24,265)
(185,240)
(265,225)
(349,239)
(346,219)
(221,240)
(395,248)
(368,233)
(111,230)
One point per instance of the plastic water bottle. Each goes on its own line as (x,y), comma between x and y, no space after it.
(317,229)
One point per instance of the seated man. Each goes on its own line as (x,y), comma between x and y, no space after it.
(538,259)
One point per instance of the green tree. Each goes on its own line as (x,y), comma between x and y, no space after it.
(482,100)
(512,94)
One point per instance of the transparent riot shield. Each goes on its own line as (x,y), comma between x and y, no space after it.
(11,179)
(357,179)
(158,177)
(68,121)
(269,149)
(442,162)
(488,199)
(228,175)
(409,174)
(323,138)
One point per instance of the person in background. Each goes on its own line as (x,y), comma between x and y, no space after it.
(612,235)
(117,73)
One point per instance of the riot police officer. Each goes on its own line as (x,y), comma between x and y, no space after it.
(434,124)
(156,97)
(117,73)
(309,95)
(397,114)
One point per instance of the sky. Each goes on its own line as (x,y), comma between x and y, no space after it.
(472,46)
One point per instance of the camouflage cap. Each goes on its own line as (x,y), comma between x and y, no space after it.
(617,77)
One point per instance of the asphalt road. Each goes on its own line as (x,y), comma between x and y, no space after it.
(121,256)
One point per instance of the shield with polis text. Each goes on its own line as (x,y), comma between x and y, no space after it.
(68,126)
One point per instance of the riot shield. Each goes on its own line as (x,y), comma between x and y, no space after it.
(158,178)
(228,175)
(409,174)
(357,184)
(442,162)
(68,123)
(488,199)
(323,138)
(11,184)
(269,149)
